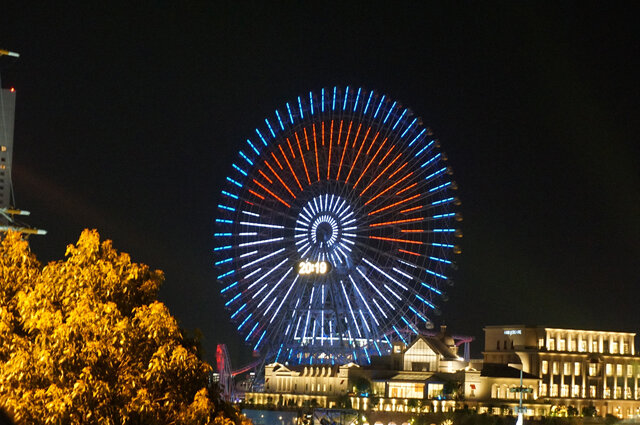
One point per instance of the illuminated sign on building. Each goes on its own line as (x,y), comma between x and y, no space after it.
(513,332)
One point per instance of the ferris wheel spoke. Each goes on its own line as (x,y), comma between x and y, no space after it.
(364,301)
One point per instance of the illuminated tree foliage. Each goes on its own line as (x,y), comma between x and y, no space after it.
(84,340)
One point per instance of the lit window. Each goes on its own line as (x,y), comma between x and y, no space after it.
(562,344)
(614,347)
(618,370)
(627,393)
(554,390)
(3,148)
(583,346)
(545,367)
(565,391)
(593,369)
(551,344)
(629,371)
(594,346)
(572,345)
(618,392)
(567,368)
(576,368)
(592,391)
(575,391)
(555,368)
(625,348)
(543,390)
(607,393)
(434,390)
(540,342)
(609,369)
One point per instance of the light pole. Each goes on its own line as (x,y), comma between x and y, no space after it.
(521,389)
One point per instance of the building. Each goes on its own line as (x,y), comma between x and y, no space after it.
(427,375)
(557,371)
(7,113)
(319,385)
(575,368)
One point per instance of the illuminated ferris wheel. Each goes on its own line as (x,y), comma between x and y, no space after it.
(336,229)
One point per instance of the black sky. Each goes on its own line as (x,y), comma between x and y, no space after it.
(127,118)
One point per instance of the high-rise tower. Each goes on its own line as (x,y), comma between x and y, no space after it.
(8,212)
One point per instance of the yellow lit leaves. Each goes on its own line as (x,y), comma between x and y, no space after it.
(85,341)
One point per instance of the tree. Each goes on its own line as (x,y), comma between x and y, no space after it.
(362,386)
(84,340)
(589,411)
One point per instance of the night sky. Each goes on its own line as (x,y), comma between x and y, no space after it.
(128,117)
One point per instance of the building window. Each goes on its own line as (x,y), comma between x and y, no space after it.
(593,369)
(434,390)
(575,391)
(562,344)
(627,393)
(592,391)
(555,368)
(540,342)
(618,370)
(594,346)
(543,390)
(625,348)
(613,347)
(576,368)
(618,392)
(498,345)
(551,344)
(505,344)
(609,369)
(583,346)
(413,390)
(554,390)
(607,393)
(545,367)
(565,391)
(629,371)
(567,368)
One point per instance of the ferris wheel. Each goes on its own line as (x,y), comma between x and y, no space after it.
(336,229)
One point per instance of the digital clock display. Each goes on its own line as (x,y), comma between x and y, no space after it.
(313,268)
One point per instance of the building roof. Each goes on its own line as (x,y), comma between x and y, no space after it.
(437,345)
(411,376)
(556,329)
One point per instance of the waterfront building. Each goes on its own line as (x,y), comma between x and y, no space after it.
(575,368)
(557,371)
